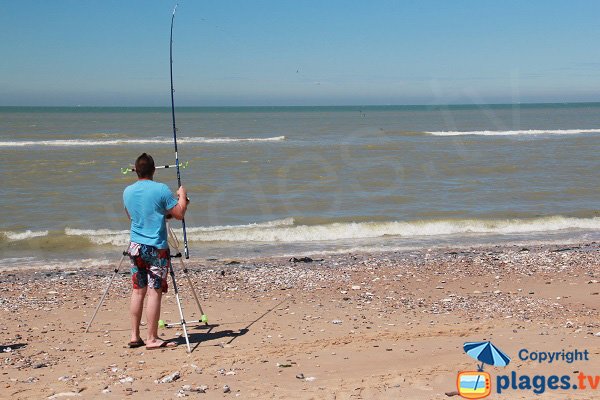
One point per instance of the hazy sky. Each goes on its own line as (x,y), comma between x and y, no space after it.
(301,52)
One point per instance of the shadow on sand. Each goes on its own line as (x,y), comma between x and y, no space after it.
(198,338)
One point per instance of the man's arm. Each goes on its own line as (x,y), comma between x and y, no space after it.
(178,212)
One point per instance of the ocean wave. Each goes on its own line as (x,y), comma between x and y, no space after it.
(366,230)
(119,142)
(257,225)
(34,263)
(285,230)
(101,236)
(516,132)
(28,234)
(121,237)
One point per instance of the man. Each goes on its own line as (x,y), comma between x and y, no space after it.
(148,204)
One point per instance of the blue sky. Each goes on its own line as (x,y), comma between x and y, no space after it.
(302,52)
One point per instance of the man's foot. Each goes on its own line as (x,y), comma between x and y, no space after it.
(160,344)
(136,343)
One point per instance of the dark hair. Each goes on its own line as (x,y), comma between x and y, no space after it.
(144,166)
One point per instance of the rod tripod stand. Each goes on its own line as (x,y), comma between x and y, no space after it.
(174,243)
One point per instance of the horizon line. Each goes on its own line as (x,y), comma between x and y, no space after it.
(307,105)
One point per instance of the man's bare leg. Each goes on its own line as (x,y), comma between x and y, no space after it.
(135,311)
(152,316)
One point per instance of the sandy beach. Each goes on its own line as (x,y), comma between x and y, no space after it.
(396,200)
(350,326)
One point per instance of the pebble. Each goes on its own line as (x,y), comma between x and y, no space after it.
(336,321)
(170,378)
(64,394)
(202,389)
(190,388)
(196,368)
(226,389)
(300,376)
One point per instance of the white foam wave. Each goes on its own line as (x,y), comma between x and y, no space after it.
(121,237)
(120,142)
(29,263)
(93,232)
(229,140)
(365,230)
(517,132)
(284,230)
(101,236)
(257,225)
(28,234)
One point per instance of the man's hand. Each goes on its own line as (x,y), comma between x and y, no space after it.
(178,212)
(182,193)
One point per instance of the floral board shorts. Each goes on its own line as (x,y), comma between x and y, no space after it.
(149,266)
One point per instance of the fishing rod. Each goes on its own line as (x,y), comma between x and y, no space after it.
(184,165)
(185,242)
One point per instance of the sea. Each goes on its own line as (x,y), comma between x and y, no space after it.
(293,181)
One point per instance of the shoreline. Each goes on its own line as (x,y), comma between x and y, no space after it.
(363,325)
(101,258)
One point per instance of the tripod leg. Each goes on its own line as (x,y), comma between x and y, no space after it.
(175,243)
(105,292)
(183,323)
(185,271)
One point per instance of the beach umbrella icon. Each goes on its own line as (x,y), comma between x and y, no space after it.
(486,353)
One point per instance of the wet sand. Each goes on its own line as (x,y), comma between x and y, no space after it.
(350,326)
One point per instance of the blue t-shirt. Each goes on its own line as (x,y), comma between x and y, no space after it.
(147,202)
